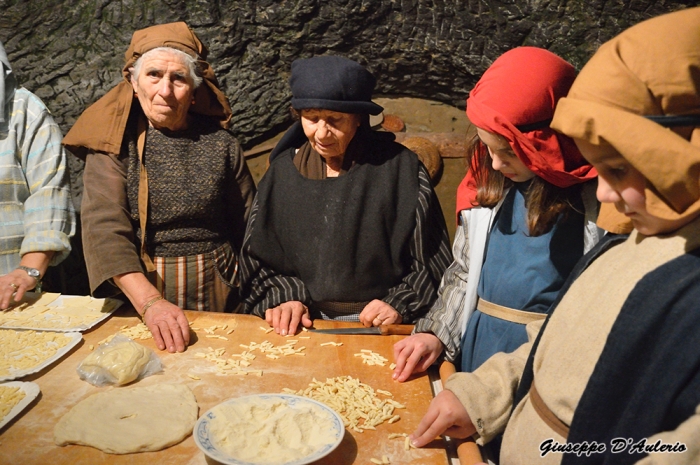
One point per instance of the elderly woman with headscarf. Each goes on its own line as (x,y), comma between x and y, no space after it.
(167,190)
(37,218)
(613,375)
(346,224)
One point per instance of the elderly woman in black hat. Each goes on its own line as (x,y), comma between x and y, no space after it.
(346,224)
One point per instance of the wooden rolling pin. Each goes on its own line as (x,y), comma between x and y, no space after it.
(467,450)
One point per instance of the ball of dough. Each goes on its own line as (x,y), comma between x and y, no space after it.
(116,363)
(128,420)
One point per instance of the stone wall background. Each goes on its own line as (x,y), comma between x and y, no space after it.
(70,52)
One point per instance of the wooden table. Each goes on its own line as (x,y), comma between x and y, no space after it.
(28,439)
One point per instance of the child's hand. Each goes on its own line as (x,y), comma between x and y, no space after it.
(415,354)
(446,415)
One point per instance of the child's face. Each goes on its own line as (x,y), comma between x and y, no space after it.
(623,185)
(503,158)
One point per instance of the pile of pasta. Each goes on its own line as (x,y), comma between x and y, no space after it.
(9,397)
(354,401)
(22,350)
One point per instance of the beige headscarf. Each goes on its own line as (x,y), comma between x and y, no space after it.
(652,68)
(101,126)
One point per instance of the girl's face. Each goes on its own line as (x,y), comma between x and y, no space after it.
(623,185)
(503,158)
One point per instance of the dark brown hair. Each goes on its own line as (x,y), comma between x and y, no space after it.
(544,201)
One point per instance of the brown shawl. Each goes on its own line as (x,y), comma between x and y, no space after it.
(101,127)
(312,165)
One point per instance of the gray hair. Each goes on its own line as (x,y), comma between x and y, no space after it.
(190,62)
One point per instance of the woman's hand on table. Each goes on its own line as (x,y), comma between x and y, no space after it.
(378,313)
(446,415)
(169,326)
(167,321)
(415,354)
(13,285)
(286,317)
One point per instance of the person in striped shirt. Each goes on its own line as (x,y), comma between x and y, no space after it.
(346,224)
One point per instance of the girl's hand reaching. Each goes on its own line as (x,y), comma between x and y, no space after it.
(415,354)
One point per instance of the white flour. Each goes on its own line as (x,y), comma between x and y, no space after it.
(270,431)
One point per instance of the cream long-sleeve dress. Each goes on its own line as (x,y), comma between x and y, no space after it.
(567,355)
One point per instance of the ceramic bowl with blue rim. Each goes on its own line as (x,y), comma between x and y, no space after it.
(206,440)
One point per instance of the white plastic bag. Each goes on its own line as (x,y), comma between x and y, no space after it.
(119,361)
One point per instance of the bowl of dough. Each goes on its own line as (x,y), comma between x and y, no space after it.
(269,429)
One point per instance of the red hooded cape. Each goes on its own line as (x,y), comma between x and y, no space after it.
(521,88)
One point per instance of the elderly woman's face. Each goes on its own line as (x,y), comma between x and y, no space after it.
(164,89)
(329,132)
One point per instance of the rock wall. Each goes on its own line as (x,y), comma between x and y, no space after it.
(70,52)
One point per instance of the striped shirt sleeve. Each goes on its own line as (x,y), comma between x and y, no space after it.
(263,288)
(443,319)
(430,254)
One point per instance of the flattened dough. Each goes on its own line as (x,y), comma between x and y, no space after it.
(128,420)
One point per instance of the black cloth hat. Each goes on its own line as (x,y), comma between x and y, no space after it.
(332,83)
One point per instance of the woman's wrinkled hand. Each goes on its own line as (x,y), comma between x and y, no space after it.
(13,285)
(286,317)
(378,313)
(415,354)
(169,326)
(446,415)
